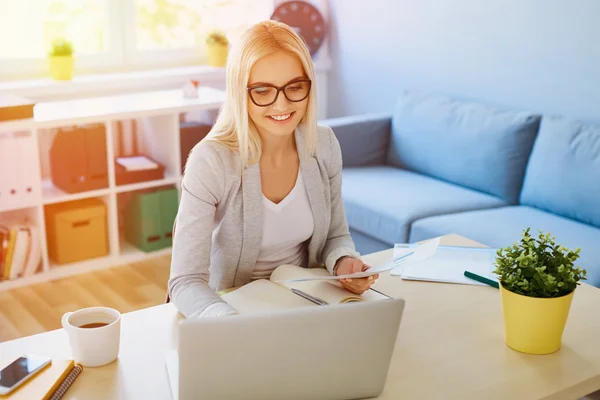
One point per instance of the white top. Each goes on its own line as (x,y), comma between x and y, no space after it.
(287,226)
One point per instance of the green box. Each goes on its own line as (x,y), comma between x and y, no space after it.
(149,218)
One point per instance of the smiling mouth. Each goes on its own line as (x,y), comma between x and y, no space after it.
(281,117)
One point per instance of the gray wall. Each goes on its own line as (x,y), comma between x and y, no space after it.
(541,55)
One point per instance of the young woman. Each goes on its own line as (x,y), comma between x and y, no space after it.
(264,187)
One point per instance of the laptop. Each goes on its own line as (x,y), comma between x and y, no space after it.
(326,352)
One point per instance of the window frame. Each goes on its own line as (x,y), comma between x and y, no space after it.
(85,63)
(134,59)
(123,57)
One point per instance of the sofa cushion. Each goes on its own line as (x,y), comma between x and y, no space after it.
(563,175)
(382,201)
(502,227)
(364,139)
(466,143)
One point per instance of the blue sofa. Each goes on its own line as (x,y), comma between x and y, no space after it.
(440,165)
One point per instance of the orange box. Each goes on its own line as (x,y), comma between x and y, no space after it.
(76,230)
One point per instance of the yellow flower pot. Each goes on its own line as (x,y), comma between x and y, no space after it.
(217,55)
(61,67)
(534,325)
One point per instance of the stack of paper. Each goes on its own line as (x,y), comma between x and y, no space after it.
(446,264)
(137,163)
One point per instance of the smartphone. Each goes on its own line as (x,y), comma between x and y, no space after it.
(20,370)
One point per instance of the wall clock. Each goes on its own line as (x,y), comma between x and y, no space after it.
(305,19)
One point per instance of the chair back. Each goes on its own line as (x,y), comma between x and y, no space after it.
(167,298)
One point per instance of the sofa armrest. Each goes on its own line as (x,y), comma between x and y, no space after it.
(364,139)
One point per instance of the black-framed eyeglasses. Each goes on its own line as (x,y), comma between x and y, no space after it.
(264,95)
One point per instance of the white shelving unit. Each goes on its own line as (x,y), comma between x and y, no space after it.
(158,113)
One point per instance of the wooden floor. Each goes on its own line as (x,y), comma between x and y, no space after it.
(39,308)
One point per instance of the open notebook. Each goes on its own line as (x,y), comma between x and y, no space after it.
(263,295)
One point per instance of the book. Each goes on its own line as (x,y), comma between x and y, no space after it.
(277,292)
(12,237)
(4,236)
(50,384)
(34,256)
(20,250)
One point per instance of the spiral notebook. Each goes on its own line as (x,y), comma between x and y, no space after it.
(50,384)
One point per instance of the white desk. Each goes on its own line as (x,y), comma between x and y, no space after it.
(450,345)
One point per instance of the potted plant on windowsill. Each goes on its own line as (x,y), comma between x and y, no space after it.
(537,280)
(61,60)
(217,47)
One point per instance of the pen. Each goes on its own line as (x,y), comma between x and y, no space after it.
(403,256)
(383,294)
(315,300)
(482,279)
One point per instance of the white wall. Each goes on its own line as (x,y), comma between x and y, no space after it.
(541,55)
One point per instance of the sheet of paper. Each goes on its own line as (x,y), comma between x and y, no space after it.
(448,264)
(137,163)
(417,254)
(410,254)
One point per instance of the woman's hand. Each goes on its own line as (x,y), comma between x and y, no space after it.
(350,265)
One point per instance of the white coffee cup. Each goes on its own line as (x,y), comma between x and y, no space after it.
(93,345)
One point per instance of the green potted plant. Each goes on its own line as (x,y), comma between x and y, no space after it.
(61,59)
(217,47)
(537,279)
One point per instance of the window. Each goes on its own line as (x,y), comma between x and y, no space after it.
(28,27)
(167,24)
(111,35)
(177,28)
(161,24)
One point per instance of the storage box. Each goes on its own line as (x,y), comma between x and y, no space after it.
(14,107)
(124,176)
(78,160)
(149,217)
(76,230)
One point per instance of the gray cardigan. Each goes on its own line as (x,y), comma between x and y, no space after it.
(219,221)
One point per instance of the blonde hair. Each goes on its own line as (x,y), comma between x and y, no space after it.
(233,128)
